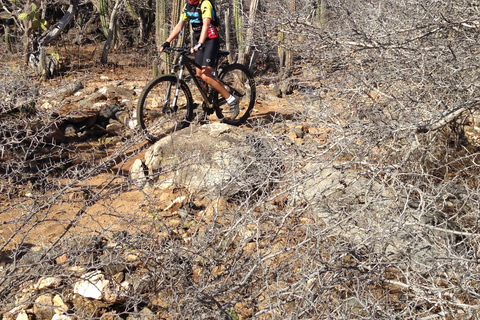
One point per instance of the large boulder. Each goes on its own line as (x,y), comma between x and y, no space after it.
(199,157)
(215,158)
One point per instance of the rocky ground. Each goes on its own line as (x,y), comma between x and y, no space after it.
(272,219)
(97,113)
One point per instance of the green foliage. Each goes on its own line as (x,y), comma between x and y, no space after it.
(233,314)
(34,17)
(55,55)
(28,108)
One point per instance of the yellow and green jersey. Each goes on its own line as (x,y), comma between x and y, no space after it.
(195,13)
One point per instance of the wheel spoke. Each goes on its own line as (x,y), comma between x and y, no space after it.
(156,112)
(238,82)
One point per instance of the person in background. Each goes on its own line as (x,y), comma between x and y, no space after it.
(206,44)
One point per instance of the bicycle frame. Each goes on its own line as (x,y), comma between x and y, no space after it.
(189,64)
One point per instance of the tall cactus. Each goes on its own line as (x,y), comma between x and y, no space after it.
(8,41)
(103,10)
(160,23)
(252,19)
(238,22)
(285,54)
(281,49)
(177,6)
(131,10)
(161,29)
(320,14)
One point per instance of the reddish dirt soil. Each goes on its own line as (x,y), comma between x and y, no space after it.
(126,71)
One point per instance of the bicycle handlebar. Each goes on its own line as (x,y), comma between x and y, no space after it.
(177,49)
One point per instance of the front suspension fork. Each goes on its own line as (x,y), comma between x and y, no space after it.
(173,107)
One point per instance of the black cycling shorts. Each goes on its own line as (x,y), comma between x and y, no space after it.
(206,57)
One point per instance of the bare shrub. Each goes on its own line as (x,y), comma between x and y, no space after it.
(364,217)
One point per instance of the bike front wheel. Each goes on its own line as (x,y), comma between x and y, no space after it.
(160,111)
(238,81)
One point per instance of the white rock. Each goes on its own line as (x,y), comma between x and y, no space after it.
(99,104)
(46,106)
(91,285)
(48,282)
(177,203)
(137,173)
(131,123)
(60,306)
(22,315)
(61,317)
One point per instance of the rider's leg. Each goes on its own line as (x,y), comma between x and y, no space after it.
(231,100)
(206,75)
(202,82)
(206,59)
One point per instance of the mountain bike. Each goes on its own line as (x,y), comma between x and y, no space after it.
(166,103)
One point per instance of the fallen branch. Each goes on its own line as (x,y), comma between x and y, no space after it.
(449,116)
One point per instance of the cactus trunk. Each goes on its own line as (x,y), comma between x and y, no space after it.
(321,14)
(281,49)
(177,6)
(284,54)
(160,23)
(8,41)
(161,28)
(131,10)
(238,22)
(104,15)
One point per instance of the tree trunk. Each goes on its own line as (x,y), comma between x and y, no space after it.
(111,31)
(34,58)
(251,27)
(253,60)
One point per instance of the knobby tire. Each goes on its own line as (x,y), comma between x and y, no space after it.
(155,113)
(238,80)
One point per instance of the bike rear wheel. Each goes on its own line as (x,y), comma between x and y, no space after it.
(157,113)
(238,80)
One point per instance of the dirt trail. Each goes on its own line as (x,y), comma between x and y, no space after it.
(128,205)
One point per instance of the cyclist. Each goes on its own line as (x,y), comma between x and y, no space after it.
(206,44)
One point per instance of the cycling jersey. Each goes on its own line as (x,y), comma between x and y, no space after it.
(196,13)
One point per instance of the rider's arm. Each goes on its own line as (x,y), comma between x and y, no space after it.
(174,34)
(176,31)
(204,33)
